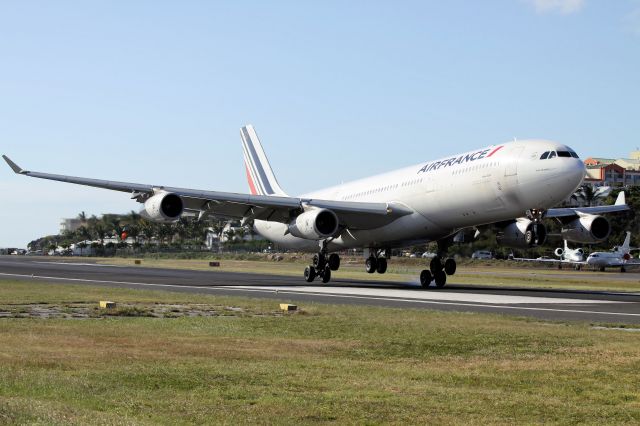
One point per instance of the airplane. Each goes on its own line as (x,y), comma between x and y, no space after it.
(617,258)
(511,187)
(567,254)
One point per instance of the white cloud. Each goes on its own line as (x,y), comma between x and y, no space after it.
(564,7)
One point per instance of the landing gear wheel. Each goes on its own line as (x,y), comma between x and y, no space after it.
(602,269)
(370,265)
(326,274)
(440,278)
(381,268)
(425,278)
(318,261)
(309,273)
(528,238)
(435,265)
(622,269)
(334,262)
(450,266)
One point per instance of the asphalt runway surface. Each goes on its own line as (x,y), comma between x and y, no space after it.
(578,305)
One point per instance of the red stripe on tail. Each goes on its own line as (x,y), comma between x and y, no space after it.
(251,185)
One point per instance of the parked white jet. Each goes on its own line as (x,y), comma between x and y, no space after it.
(567,254)
(513,186)
(616,258)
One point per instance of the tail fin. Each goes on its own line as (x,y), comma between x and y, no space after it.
(626,246)
(260,176)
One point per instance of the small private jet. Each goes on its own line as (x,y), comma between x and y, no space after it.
(566,255)
(618,257)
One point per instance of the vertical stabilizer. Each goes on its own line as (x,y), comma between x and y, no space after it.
(626,246)
(260,176)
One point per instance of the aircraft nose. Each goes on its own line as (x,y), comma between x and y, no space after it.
(579,171)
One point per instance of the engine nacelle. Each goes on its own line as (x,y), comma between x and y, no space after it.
(587,229)
(559,252)
(164,207)
(522,234)
(315,224)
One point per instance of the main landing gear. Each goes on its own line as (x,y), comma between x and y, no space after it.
(376,263)
(322,265)
(438,272)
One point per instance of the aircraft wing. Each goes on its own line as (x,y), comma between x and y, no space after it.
(619,206)
(354,215)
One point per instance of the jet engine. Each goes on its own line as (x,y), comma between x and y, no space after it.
(559,252)
(315,224)
(164,207)
(587,229)
(522,234)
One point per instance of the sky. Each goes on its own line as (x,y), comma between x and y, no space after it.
(155,91)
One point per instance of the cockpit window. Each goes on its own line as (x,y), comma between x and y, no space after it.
(573,154)
(552,154)
(564,154)
(544,155)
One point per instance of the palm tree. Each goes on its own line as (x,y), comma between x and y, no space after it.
(165,232)
(83,217)
(148,229)
(100,231)
(112,225)
(182,229)
(586,194)
(133,218)
(84,233)
(81,245)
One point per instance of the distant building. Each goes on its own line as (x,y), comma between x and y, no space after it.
(613,172)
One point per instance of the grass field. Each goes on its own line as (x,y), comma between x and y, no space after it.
(245,362)
(494,273)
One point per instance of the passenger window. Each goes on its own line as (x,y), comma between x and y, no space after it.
(544,155)
(552,154)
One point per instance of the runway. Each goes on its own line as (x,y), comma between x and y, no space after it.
(595,307)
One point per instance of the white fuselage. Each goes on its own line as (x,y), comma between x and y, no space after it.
(567,254)
(603,259)
(570,255)
(489,185)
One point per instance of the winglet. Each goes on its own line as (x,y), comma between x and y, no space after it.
(620,201)
(13,165)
